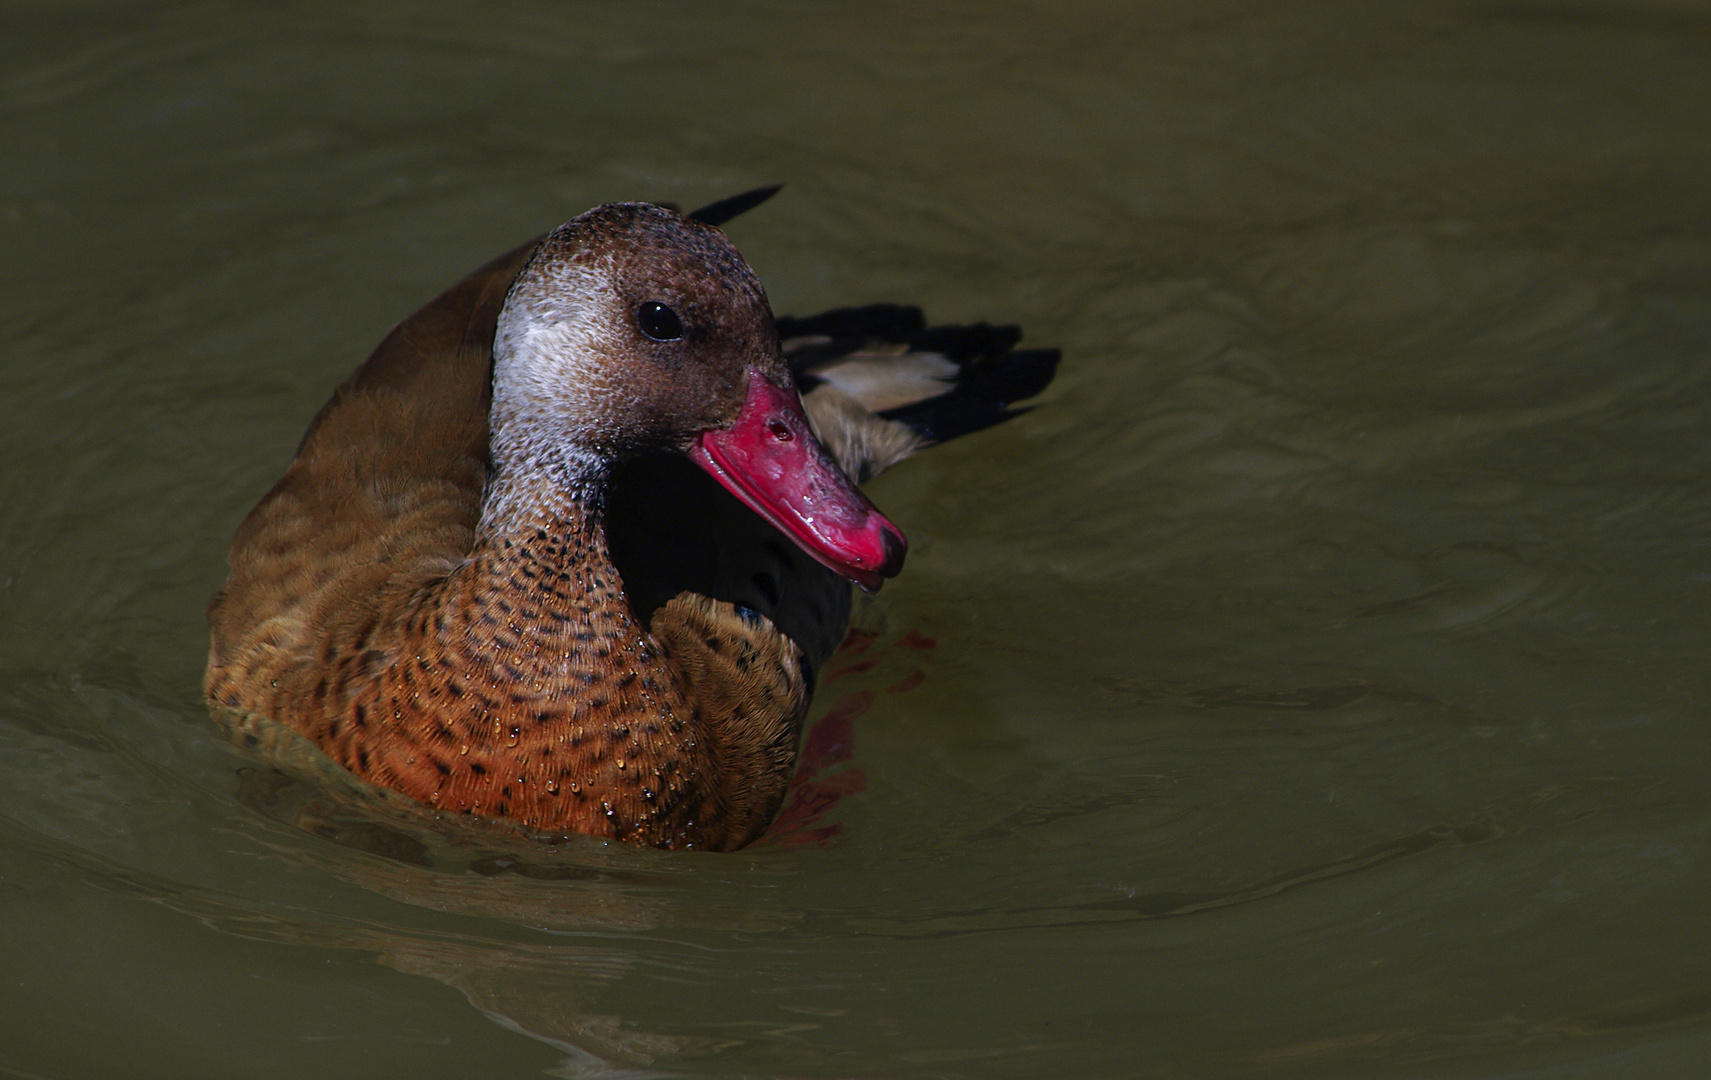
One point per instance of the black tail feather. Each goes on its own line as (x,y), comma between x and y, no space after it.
(984,396)
(717,213)
(994,373)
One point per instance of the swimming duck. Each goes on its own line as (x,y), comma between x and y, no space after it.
(570,547)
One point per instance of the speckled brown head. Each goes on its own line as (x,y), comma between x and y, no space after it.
(575,342)
(633,328)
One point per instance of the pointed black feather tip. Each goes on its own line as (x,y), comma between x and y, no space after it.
(717,213)
(984,396)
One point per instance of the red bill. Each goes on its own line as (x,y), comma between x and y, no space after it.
(770,459)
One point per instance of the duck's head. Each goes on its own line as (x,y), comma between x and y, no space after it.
(631,329)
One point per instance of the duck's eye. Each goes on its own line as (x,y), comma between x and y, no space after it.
(659,322)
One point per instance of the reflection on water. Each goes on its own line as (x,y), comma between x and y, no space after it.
(1311,686)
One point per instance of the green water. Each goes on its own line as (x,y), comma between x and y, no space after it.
(1319,683)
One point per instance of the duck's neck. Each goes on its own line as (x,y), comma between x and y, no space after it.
(532,483)
(542,542)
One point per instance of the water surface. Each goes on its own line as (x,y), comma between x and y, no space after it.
(1313,686)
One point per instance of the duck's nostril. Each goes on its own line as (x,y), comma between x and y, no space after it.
(780,430)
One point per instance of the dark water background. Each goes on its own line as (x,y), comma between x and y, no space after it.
(1317,684)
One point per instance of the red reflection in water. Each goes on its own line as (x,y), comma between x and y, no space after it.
(823,774)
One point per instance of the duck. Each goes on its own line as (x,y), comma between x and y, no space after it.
(571,546)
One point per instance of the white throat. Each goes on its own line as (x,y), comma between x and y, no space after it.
(552,363)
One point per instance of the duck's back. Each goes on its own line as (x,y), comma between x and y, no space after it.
(381,500)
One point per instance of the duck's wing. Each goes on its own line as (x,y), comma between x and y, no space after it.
(880,384)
